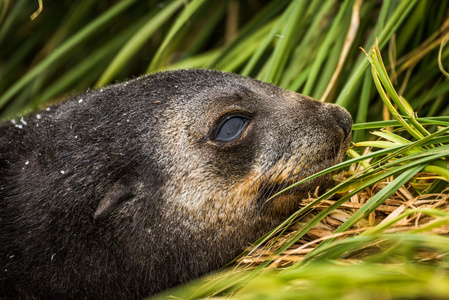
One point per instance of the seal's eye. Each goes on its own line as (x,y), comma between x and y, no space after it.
(231,128)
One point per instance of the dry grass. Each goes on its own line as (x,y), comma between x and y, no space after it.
(402,199)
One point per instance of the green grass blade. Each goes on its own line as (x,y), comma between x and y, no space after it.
(325,47)
(190,9)
(393,23)
(285,43)
(64,48)
(137,41)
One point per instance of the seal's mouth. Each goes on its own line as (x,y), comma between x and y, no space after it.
(281,200)
(293,188)
(281,194)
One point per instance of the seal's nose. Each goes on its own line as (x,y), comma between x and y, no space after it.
(344,119)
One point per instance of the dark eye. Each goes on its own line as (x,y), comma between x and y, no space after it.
(231,128)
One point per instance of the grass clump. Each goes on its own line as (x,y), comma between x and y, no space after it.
(381,233)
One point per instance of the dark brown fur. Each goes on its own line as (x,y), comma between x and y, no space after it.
(122,192)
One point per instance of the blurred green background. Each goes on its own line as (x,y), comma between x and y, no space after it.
(307,46)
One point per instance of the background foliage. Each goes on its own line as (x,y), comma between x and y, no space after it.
(304,46)
(52,49)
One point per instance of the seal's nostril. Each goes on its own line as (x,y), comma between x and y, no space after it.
(346,124)
(344,119)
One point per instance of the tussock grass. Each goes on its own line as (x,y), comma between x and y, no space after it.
(309,47)
(380,233)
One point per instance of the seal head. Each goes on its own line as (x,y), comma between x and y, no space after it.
(131,189)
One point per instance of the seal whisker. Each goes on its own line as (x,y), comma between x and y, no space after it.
(261,177)
(269,186)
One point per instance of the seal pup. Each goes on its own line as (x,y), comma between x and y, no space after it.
(121,192)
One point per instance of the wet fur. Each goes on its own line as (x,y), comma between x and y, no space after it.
(122,192)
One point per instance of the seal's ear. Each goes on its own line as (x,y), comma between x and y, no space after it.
(120,191)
